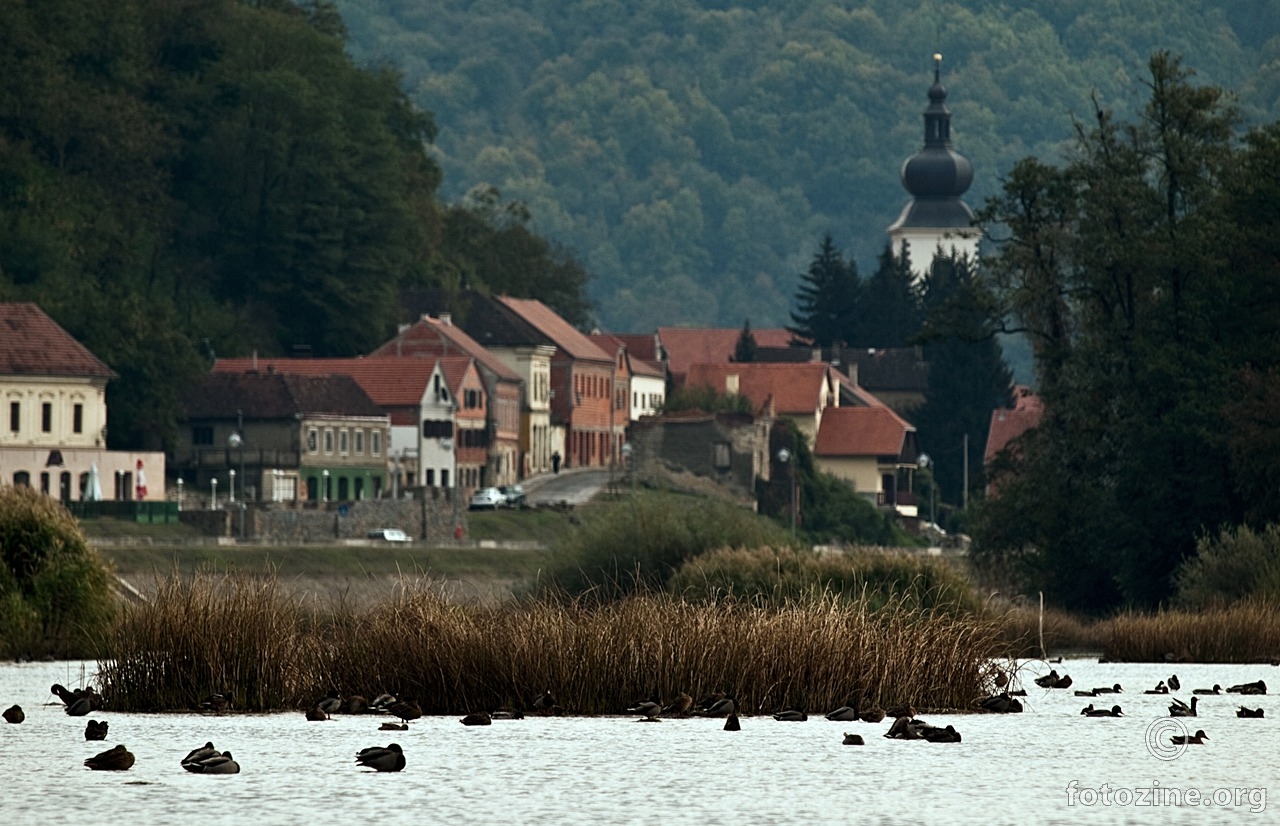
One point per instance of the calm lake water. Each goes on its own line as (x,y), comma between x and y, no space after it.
(1010,768)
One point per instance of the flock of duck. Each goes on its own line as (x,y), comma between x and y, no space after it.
(1007,701)
(906,725)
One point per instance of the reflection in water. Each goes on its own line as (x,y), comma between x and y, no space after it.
(1010,768)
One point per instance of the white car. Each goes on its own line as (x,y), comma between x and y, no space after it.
(487,499)
(389,535)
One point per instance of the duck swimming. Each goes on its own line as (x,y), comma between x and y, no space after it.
(1245,711)
(219,763)
(1217,689)
(844,714)
(95,730)
(14,714)
(389,759)
(732,723)
(1180,709)
(1196,739)
(853,739)
(791,715)
(477,718)
(117,759)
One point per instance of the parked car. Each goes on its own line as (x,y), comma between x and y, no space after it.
(487,499)
(514,495)
(389,535)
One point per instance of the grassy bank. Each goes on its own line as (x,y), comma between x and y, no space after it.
(247,637)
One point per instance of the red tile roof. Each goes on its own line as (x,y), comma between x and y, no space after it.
(434,337)
(32,344)
(639,367)
(390,382)
(1007,425)
(686,346)
(860,431)
(562,333)
(794,388)
(455,369)
(277,396)
(640,345)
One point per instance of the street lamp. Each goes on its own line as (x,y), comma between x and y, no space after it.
(324,492)
(231,487)
(213,483)
(179,494)
(784,456)
(924,461)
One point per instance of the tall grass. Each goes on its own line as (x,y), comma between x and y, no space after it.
(228,634)
(1242,633)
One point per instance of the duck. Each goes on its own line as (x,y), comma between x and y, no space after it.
(1196,739)
(710,700)
(1245,711)
(14,714)
(732,723)
(116,759)
(905,728)
(64,694)
(330,703)
(1063,682)
(406,710)
(1093,692)
(388,759)
(1160,688)
(721,708)
(477,718)
(79,708)
(1000,703)
(382,702)
(506,714)
(649,708)
(872,715)
(791,715)
(355,704)
(1115,689)
(545,703)
(221,763)
(1258,687)
(70,698)
(1001,678)
(906,710)
(95,730)
(1049,680)
(1180,709)
(1217,689)
(844,714)
(853,739)
(217,703)
(679,707)
(201,753)
(1114,711)
(316,715)
(1174,684)
(394,727)
(933,734)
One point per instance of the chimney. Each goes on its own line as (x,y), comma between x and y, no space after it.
(255,360)
(815,355)
(731,384)
(446,319)
(400,328)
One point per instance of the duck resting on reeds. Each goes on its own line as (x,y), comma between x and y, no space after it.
(1000,703)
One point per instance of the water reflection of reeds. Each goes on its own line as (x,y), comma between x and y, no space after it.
(241,635)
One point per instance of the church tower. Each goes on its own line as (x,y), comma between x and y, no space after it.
(935,218)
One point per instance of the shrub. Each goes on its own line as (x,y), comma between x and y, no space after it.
(55,591)
(874,578)
(638,544)
(1238,563)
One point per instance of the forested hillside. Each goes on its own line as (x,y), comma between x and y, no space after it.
(693,153)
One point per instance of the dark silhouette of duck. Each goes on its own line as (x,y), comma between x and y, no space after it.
(355,704)
(394,727)
(507,714)
(116,759)
(872,715)
(1196,739)
(1180,709)
(1174,684)
(650,708)
(217,763)
(14,714)
(1049,680)
(710,700)
(1258,687)
(933,734)
(477,718)
(853,739)
(731,723)
(1245,711)
(1115,689)
(1090,711)
(791,715)
(316,715)
(721,708)
(201,753)
(907,710)
(545,704)
(406,710)
(382,702)
(217,703)
(95,730)
(1160,688)
(1000,703)
(329,704)
(70,698)
(1217,689)
(378,758)
(905,728)
(80,707)
(1001,678)
(844,714)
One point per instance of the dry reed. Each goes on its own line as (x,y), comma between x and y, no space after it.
(1242,633)
(237,635)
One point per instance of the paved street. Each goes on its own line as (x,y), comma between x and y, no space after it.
(573,486)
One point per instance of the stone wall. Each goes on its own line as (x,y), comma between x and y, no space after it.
(680,452)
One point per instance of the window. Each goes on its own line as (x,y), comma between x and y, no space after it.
(343,442)
(328,440)
(437,429)
(359,440)
(431,477)
(723,456)
(312,444)
(15,416)
(202,435)
(46,417)
(44,483)
(77,418)
(444,478)
(375,442)
(22,479)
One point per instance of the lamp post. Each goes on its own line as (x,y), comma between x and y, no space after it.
(179,494)
(231,486)
(924,462)
(213,483)
(784,456)
(324,491)
(236,442)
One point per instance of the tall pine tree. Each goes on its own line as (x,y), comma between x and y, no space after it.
(826,300)
(889,310)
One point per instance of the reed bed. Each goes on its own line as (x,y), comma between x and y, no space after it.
(230,634)
(1242,633)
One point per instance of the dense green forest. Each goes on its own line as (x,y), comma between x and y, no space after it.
(179,179)
(693,152)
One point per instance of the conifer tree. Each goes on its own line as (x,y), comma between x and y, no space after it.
(745,349)
(826,300)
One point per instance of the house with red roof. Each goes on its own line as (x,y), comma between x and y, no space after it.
(1007,425)
(641,386)
(682,347)
(515,441)
(798,392)
(873,449)
(53,422)
(583,377)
